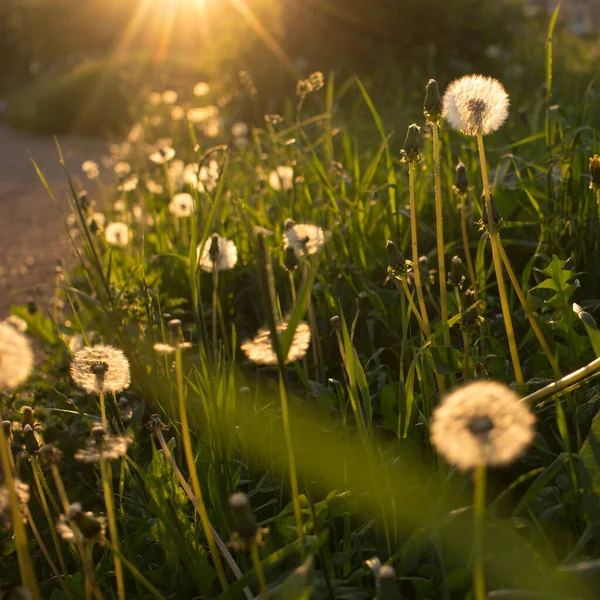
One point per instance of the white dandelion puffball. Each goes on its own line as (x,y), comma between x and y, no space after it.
(91,169)
(304,238)
(169,97)
(475,104)
(16,357)
(182,205)
(122,168)
(282,178)
(260,349)
(239,129)
(155,98)
(117,234)
(162,154)
(100,368)
(201,89)
(482,423)
(153,187)
(217,253)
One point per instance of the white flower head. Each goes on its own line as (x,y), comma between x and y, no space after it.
(217,253)
(177,113)
(304,238)
(201,89)
(475,104)
(100,368)
(96,222)
(182,205)
(154,187)
(117,234)
(122,168)
(129,184)
(91,169)
(16,357)
(162,154)
(282,178)
(482,423)
(169,97)
(239,129)
(155,98)
(17,322)
(260,349)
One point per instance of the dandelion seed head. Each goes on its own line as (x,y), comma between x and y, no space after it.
(122,169)
(16,357)
(177,113)
(482,423)
(282,178)
(161,154)
(153,187)
(90,168)
(17,322)
(129,184)
(81,527)
(201,89)
(475,104)
(182,205)
(100,368)
(103,446)
(169,97)
(217,252)
(260,349)
(117,234)
(304,238)
(22,492)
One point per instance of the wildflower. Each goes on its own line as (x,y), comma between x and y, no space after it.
(90,168)
(177,113)
(219,254)
(201,114)
(282,178)
(201,89)
(412,152)
(169,97)
(304,238)
(260,349)
(274,119)
(239,129)
(475,105)
(122,169)
(96,222)
(455,277)
(433,106)
(182,205)
(162,154)
(117,234)
(16,357)
(498,221)
(482,423)
(470,319)
(211,128)
(155,98)
(313,83)
(22,492)
(247,533)
(177,340)
(17,322)
(129,184)
(100,368)
(595,172)
(153,187)
(81,527)
(103,446)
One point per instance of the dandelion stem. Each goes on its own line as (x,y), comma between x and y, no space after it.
(37,476)
(24,559)
(479,484)
(103,410)
(189,456)
(260,574)
(106,475)
(411,303)
(285,417)
(465,240)
(186,488)
(510,333)
(439,225)
(215,302)
(532,320)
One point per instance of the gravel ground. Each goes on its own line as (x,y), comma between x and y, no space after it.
(32,232)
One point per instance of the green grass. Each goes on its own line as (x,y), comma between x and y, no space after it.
(338,441)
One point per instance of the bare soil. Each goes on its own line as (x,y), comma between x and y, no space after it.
(32,231)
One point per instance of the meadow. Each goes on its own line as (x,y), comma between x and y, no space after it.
(296,358)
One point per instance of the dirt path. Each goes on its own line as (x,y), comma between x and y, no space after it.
(32,233)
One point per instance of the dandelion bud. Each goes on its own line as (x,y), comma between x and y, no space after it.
(386,584)
(50,454)
(89,525)
(27,413)
(497,216)
(412,152)
(7,431)
(461,182)
(290,262)
(595,172)
(213,252)
(31,444)
(336,323)
(174,326)
(243,517)
(480,372)
(396,260)
(433,106)
(455,277)
(470,318)
(83,200)
(98,433)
